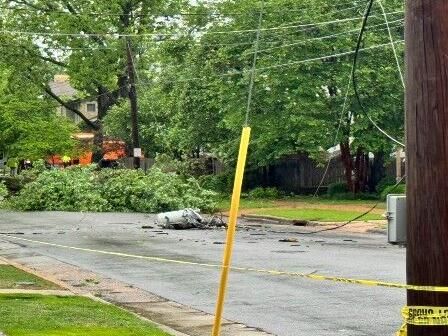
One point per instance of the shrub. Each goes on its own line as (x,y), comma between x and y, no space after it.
(167,164)
(131,190)
(86,189)
(3,191)
(384,183)
(14,183)
(337,188)
(221,183)
(400,189)
(264,193)
(61,190)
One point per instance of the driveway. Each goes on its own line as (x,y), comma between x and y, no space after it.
(281,305)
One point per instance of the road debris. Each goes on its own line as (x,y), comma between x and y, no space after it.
(188,219)
(289,240)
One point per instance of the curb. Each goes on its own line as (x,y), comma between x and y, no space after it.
(72,291)
(278,220)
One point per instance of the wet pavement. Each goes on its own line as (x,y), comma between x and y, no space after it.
(280,305)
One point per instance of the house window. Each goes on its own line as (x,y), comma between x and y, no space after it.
(91,108)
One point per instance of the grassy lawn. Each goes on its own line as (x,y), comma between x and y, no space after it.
(224,204)
(25,315)
(13,278)
(296,202)
(321,215)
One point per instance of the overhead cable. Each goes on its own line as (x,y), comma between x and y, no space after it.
(327,37)
(355,79)
(397,60)
(212,12)
(87,35)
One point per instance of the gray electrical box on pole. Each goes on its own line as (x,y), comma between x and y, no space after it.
(396,218)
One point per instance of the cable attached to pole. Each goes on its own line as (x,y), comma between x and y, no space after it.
(236,195)
(254,65)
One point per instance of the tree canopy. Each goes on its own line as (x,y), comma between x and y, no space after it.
(193,62)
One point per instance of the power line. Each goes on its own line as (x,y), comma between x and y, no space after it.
(298,42)
(341,117)
(325,14)
(343,111)
(87,35)
(254,65)
(352,52)
(328,37)
(392,43)
(234,73)
(355,218)
(355,80)
(167,14)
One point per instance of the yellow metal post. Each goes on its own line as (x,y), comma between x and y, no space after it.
(244,145)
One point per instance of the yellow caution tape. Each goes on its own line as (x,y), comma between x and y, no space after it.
(423,316)
(414,315)
(311,276)
(403,330)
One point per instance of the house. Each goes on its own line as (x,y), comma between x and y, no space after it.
(60,86)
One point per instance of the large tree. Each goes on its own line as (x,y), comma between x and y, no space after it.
(303,71)
(97,43)
(30,129)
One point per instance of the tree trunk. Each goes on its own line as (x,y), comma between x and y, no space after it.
(377,171)
(347,161)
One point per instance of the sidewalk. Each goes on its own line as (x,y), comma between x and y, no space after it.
(178,319)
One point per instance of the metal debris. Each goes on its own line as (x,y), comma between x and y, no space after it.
(289,240)
(188,219)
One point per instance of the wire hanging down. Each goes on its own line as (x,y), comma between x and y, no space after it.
(355,80)
(397,60)
(327,167)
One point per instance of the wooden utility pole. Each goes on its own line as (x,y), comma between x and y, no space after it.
(134,105)
(427,154)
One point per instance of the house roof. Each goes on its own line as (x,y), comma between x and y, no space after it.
(61,86)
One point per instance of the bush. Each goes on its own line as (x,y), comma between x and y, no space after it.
(337,188)
(400,189)
(14,183)
(385,183)
(221,183)
(86,189)
(167,164)
(61,190)
(264,193)
(131,190)
(3,191)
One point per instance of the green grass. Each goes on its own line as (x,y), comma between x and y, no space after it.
(11,277)
(320,215)
(224,204)
(246,203)
(36,315)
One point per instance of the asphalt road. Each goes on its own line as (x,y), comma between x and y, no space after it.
(281,305)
